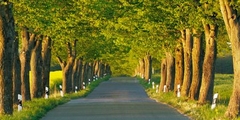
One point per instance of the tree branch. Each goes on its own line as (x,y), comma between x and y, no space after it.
(69,49)
(225,9)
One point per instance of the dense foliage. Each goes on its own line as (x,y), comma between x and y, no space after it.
(113,31)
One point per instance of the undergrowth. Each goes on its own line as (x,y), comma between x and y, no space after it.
(37,108)
(222,85)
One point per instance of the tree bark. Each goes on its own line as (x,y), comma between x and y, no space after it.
(232,23)
(163,75)
(105,69)
(66,74)
(206,90)
(99,68)
(96,67)
(108,69)
(148,66)
(178,67)
(90,72)
(102,69)
(36,69)
(187,49)
(25,55)
(196,65)
(84,73)
(46,61)
(142,68)
(79,71)
(7,36)
(170,71)
(67,67)
(16,72)
(75,74)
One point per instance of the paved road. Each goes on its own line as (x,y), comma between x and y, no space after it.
(120,98)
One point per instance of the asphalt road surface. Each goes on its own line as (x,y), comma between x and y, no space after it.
(120,98)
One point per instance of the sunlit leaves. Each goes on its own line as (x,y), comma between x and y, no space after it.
(114,31)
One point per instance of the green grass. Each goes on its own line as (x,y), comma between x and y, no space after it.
(37,108)
(223,86)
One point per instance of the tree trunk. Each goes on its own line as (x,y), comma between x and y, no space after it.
(187,49)
(7,36)
(196,65)
(25,55)
(96,66)
(82,76)
(79,71)
(170,71)
(84,73)
(74,74)
(148,66)
(102,69)
(105,69)
(163,75)
(142,68)
(46,61)
(16,72)
(90,72)
(99,69)
(206,90)
(66,74)
(178,67)
(232,23)
(36,69)
(108,69)
(67,67)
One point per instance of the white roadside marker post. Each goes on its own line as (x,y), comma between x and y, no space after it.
(96,77)
(165,88)
(149,81)
(215,96)
(178,90)
(93,78)
(157,87)
(84,87)
(46,92)
(61,92)
(76,88)
(89,81)
(20,102)
(153,86)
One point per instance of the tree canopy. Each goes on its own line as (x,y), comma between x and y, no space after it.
(118,32)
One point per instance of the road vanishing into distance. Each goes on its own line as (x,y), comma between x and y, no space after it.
(120,98)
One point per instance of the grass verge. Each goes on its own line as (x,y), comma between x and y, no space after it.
(37,108)
(222,85)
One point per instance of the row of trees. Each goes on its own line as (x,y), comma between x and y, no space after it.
(191,31)
(28,30)
(196,47)
(126,35)
(75,71)
(144,68)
